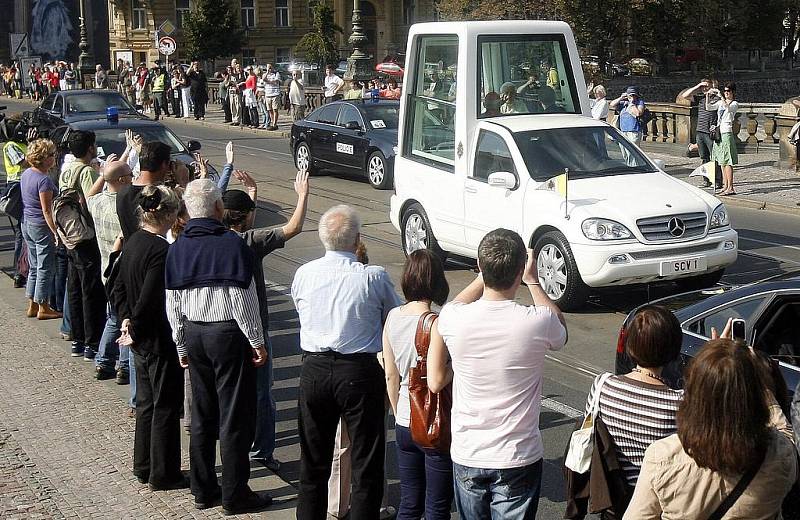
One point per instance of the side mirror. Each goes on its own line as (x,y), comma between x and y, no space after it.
(660,164)
(352,125)
(193,145)
(506,180)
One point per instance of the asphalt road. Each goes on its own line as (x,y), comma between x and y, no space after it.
(769,244)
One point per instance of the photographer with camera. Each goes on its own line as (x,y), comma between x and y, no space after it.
(733,455)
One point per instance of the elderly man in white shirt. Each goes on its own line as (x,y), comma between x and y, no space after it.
(599,104)
(342,305)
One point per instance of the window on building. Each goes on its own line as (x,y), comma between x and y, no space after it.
(281,13)
(430,117)
(248,13)
(139,14)
(283,56)
(248,57)
(181,10)
(311,5)
(408,12)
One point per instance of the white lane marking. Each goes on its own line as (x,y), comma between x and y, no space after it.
(559,407)
(768,257)
(768,243)
(547,402)
(583,370)
(214,143)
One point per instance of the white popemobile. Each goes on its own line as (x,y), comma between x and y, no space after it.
(510,144)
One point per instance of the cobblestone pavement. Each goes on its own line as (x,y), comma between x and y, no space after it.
(66,441)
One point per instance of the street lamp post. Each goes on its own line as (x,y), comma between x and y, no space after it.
(358,64)
(85,60)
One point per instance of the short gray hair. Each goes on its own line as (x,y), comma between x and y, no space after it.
(201,197)
(599,89)
(339,227)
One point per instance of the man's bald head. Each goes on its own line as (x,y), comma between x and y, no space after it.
(117,173)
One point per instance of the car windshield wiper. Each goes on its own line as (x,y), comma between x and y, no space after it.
(625,169)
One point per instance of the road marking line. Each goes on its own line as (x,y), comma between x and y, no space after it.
(767,242)
(768,257)
(559,407)
(585,371)
(214,143)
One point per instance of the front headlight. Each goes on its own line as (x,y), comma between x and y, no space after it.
(719,218)
(603,229)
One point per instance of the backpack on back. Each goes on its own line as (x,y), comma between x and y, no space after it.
(73,223)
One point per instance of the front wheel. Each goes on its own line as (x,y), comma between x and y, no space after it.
(303,160)
(558,272)
(417,233)
(379,171)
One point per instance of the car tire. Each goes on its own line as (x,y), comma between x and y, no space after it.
(417,234)
(704,281)
(379,171)
(558,272)
(303,159)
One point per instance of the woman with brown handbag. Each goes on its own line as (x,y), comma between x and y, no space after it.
(426,475)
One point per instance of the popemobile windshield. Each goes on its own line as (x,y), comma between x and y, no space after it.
(495,131)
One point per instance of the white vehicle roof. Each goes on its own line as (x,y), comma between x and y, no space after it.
(475,28)
(522,123)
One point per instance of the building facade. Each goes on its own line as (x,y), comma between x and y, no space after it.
(272,27)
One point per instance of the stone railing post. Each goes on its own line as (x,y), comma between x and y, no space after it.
(752,128)
(785,120)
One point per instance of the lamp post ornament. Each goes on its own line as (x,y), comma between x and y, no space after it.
(85,65)
(358,64)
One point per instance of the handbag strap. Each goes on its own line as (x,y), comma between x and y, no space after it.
(422,339)
(596,398)
(734,495)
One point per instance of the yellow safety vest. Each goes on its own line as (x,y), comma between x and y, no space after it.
(11,159)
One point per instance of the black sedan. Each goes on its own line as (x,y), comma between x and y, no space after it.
(770,309)
(349,136)
(69,106)
(110,138)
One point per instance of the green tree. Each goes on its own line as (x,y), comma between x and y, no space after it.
(211,30)
(500,10)
(597,24)
(660,26)
(319,45)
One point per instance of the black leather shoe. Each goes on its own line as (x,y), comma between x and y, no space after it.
(181,483)
(254,503)
(213,501)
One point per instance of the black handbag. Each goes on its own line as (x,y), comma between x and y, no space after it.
(716,135)
(11,201)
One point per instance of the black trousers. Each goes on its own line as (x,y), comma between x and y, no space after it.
(176,102)
(199,107)
(226,108)
(85,293)
(351,387)
(223,406)
(159,399)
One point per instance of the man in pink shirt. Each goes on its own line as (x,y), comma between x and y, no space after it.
(498,348)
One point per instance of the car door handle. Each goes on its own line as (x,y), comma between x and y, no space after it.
(470,189)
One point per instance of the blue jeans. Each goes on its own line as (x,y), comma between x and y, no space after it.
(508,494)
(41,258)
(109,351)
(426,480)
(264,441)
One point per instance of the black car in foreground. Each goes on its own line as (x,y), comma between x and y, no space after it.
(770,309)
(70,106)
(110,138)
(349,136)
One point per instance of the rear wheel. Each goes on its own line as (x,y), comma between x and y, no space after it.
(303,160)
(417,233)
(558,272)
(379,172)
(704,281)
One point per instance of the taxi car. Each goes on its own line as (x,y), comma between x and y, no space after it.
(770,309)
(348,136)
(595,210)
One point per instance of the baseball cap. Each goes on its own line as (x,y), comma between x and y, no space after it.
(632,90)
(237,200)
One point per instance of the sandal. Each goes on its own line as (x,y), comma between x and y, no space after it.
(728,193)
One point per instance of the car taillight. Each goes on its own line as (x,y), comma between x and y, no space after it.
(621,340)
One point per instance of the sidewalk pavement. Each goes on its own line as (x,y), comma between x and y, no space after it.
(66,440)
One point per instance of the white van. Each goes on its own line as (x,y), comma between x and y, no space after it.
(499,135)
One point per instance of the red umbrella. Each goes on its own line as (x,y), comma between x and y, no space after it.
(390,68)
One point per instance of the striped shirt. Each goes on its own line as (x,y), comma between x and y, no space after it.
(636,414)
(211,304)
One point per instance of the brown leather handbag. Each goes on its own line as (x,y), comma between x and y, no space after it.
(430,412)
